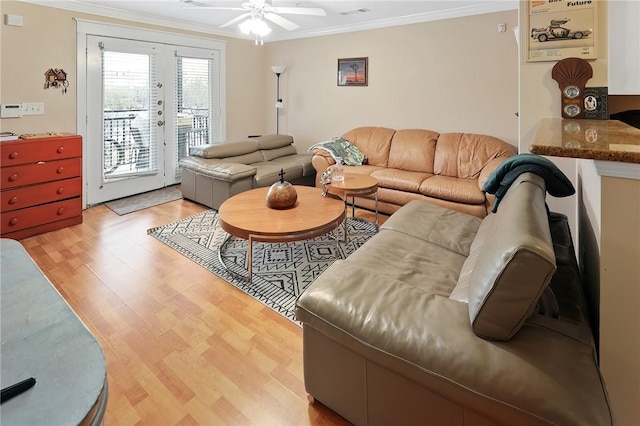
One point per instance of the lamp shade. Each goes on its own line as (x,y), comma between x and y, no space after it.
(278,69)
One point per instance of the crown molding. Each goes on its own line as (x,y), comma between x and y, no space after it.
(114,13)
(497,6)
(110,12)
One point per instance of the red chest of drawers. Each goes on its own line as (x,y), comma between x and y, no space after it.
(41,185)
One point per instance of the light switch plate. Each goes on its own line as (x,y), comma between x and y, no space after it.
(33,108)
(15,20)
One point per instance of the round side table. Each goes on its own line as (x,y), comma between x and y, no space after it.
(354,185)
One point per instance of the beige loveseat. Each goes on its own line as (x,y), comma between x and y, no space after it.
(213,173)
(446,169)
(443,318)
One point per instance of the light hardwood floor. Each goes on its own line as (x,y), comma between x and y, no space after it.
(182,346)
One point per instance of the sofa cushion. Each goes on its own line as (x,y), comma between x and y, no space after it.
(218,169)
(516,263)
(453,189)
(273,141)
(268,173)
(304,160)
(413,150)
(224,150)
(427,267)
(402,180)
(365,169)
(252,157)
(271,154)
(437,225)
(373,142)
(464,155)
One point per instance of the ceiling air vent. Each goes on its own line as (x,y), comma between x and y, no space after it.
(354,11)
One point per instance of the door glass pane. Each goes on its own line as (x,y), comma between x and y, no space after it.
(193,103)
(128,102)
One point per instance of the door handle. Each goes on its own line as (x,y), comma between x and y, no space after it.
(160,123)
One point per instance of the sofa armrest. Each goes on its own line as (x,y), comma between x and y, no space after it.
(321,161)
(488,169)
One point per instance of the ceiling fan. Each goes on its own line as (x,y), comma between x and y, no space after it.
(257,10)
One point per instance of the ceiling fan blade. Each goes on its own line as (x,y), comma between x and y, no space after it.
(214,7)
(192,3)
(235,20)
(314,11)
(279,20)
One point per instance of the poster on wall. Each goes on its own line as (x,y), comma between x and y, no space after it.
(561,29)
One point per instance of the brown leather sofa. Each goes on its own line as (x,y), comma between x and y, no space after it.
(446,169)
(213,173)
(447,319)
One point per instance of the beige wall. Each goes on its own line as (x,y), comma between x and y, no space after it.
(48,40)
(414,79)
(454,75)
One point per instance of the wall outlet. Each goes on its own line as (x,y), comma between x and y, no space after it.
(33,108)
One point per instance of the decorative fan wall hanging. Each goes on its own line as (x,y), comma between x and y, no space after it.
(255,12)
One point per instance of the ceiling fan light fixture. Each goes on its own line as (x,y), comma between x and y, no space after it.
(255,26)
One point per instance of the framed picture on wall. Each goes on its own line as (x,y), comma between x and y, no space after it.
(353,72)
(561,29)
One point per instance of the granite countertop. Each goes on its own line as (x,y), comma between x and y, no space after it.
(607,140)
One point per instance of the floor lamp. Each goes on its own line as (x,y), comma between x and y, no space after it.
(278,70)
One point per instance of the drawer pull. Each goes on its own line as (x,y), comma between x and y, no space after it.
(13,200)
(60,149)
(60,190)
(13,155)
(60,170)
(13,178)
(13,221)
(60,211)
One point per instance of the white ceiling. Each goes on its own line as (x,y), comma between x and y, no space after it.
(177,14)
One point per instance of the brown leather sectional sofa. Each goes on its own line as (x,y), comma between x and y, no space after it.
(443,318)
(446,169)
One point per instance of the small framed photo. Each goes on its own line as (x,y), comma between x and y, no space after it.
(595,103)
(353,72)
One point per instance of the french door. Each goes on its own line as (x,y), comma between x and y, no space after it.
(147,103)
(125,120)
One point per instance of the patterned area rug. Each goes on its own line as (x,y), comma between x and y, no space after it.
(281,271)
(132,204)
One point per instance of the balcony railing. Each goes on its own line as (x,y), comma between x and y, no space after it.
(126,147)
(193,129)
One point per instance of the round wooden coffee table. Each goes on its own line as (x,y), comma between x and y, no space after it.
(247,216)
